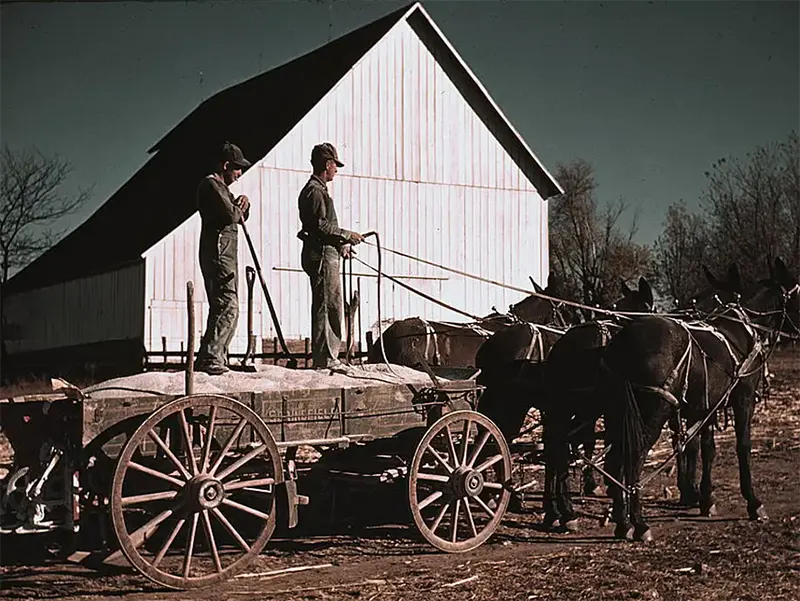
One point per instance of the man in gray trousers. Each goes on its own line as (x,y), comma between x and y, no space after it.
(323,243)
(220,213)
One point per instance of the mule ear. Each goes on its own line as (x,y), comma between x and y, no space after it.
(536,286)
(734,279)
(646,291)
(624,287)
(782,275)
(710,277)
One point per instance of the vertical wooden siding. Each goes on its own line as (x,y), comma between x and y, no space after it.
(103,307)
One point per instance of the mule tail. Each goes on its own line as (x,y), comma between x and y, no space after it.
(626,426)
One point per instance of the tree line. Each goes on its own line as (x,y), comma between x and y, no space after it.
(749,212)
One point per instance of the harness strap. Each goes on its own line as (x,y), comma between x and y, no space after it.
(536,336)
(430,334)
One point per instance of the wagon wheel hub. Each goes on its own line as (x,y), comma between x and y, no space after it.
(467,482)
(204,492)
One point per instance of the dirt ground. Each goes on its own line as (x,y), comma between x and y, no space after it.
(726,557)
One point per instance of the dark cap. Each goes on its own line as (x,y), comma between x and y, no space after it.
(234,155)
(324,152)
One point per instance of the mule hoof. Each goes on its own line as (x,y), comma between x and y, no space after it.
(710,511)
(571,525)
(624,532)
(688,501)
(759,514)
(645,537)
(550,523)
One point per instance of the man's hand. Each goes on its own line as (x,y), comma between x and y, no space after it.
(243,203)
(355,238)
(346,251)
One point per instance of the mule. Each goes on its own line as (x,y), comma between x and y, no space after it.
(456,344)
(658,367)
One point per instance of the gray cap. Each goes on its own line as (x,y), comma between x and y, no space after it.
(234,155)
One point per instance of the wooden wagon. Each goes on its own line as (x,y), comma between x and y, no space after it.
(191,487)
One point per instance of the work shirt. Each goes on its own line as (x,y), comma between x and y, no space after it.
(217,207)
(318,216)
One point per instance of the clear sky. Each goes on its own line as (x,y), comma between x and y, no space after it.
(650,93)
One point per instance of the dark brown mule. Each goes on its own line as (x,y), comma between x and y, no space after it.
(658,367)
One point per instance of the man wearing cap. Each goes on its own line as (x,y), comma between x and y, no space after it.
(220,213)
(323,243)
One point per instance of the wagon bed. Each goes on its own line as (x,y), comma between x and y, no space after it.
(138,449)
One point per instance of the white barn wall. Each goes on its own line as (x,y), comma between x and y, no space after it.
(98,308)
(421,168)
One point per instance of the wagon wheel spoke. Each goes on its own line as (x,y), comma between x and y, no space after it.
(478,448)
(470,518)
(489,463)
(439,517)
(430,499)
(149,498)
(485,507)
(139,536)
(187,439)
(441,460)
(187,556)
(168,552)
(212,544)
(240,462)
(434,477)
(465,441)
(228,444)
(168,543)
(451,444)
(212,422)
(170,455)
(454,525)
(155,473)
(229,486)
(246,509)
(229,527)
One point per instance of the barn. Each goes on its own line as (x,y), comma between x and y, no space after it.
(432,164)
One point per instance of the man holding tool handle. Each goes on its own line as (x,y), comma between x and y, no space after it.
(324,242)
(220,213)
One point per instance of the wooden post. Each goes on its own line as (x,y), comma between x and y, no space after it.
(307,349)
(275,351)
(164,348)
(369,341)
(190,341)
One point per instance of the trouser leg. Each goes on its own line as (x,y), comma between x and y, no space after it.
(326,310)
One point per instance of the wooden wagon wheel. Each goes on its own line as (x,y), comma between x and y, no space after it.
(457,485)
(205,463)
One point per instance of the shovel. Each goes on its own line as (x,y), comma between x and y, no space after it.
(291,361)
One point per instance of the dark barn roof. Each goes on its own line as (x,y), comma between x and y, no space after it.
(258,113)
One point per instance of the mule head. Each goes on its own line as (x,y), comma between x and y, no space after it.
(721,291)
(638,300)
(776,301)
(535,309)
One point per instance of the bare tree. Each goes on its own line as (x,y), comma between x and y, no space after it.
(680,252)
(753,208)
(31,202)
(588,247)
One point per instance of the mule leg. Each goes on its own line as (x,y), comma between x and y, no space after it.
(709,451)
(743,406)
(619,506)
(556,451)
(687,470)
(655,413)
(590,484)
